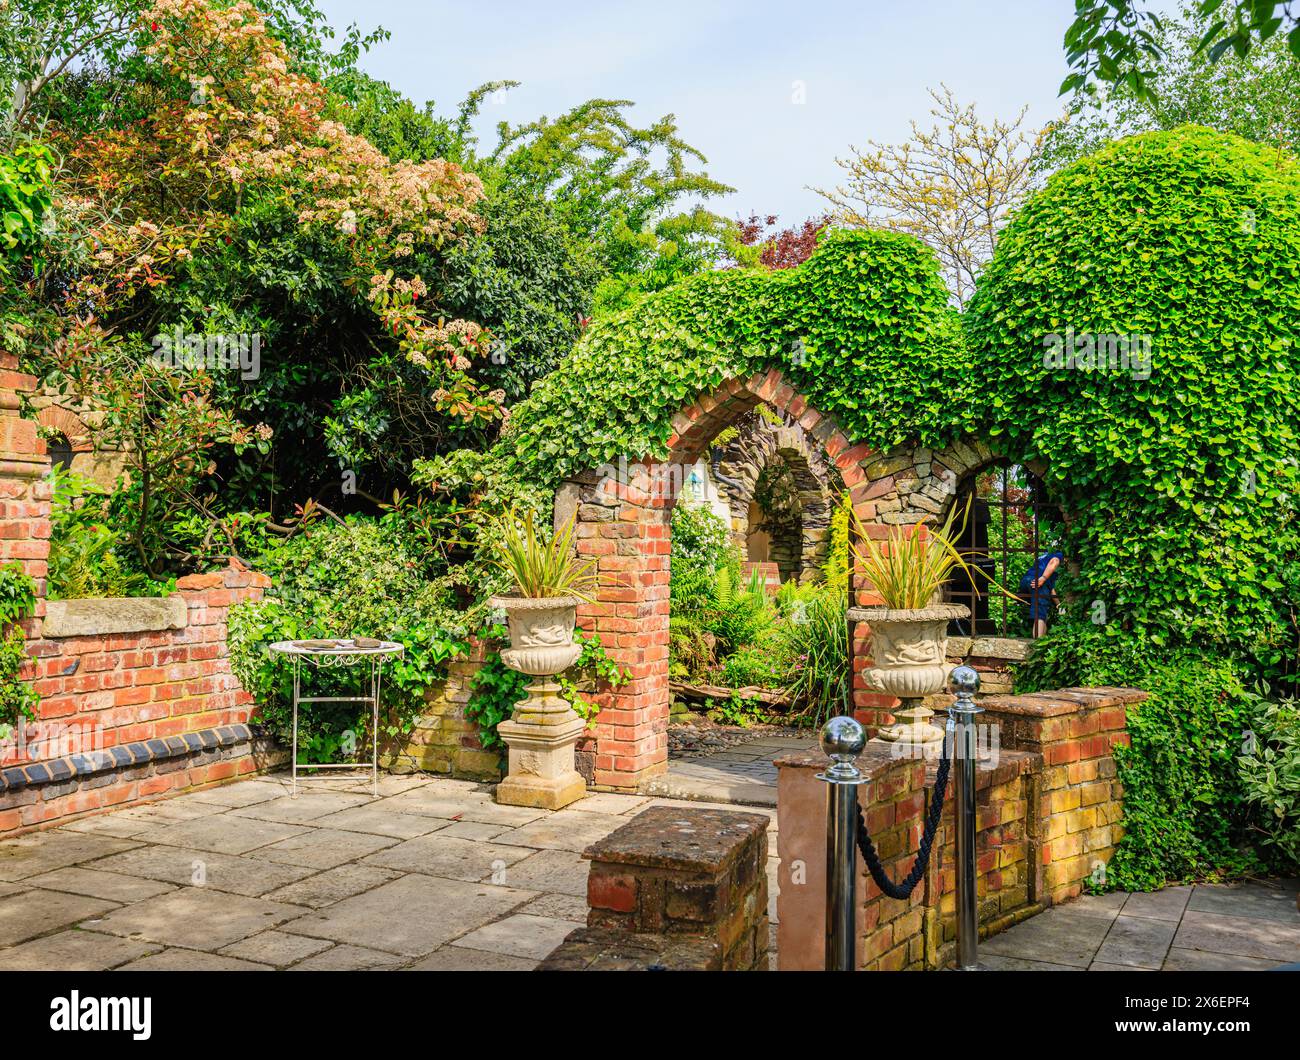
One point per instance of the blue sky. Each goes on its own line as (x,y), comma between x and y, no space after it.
(727,69)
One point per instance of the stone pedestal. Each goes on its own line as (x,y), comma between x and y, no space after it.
(541,737)
(913,734)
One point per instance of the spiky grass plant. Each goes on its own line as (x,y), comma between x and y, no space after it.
(913,563)
(540,565)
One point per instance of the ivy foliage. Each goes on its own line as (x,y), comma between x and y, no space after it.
(1187,241)
(863,329)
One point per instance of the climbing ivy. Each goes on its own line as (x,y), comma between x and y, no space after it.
(863,329)
(1180,473)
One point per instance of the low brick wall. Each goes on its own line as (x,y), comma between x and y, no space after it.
(443,740)
(685,872)
(1042,828)
(137,699)
(129,716)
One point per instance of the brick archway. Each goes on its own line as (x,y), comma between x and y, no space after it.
(68,424)
(622,521)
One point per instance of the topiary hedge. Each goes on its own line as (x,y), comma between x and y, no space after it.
(1182,483)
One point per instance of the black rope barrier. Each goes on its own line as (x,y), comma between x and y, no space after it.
(868,849)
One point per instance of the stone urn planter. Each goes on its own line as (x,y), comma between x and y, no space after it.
(544,728)
(908,652)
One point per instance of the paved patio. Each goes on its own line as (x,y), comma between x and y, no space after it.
(432,875)
(435,875)
(1245,926)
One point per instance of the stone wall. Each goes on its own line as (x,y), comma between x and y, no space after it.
(1048,814)
(137,698)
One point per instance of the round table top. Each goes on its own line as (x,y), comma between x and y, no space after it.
(335,647)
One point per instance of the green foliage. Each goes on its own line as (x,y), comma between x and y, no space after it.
(88,557)
(1269,767)
(1181,481)
(1256,96)
(699,540)
(1119,41)
(345,580)
(24,199)
(862,328)
(816,640)
(17,601)
(495,689)
(1185,808)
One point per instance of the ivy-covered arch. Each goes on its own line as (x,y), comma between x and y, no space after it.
(1136,333)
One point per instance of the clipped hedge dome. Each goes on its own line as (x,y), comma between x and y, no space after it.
(1139,329)
(862,329)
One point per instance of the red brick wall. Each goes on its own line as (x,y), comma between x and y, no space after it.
(98,692)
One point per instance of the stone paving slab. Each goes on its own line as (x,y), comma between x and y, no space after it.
(112,886)
(1068,937)
(1242,936)
(446,856)
(521,935)
(1247,899)
(383,819)
(350,959)
(40,852)
(182,960)
(1136,942)
(1168,904)
(572,830)
(30,914)
(195,918)
(220,872)
(558,872)
(73,951)
(333,885)
(305,807)
(411,916)
(275,947)
(222,834)
(323,848)
(460,959)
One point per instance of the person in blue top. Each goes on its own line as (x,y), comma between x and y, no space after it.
(1039,583)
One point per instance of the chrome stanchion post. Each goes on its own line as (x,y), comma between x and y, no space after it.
(842,740)
(965,683)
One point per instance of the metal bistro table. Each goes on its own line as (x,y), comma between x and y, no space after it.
(333,654)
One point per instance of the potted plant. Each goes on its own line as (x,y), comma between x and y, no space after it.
(549,583)
(909,633)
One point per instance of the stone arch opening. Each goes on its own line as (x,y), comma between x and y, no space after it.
(622,512)
(780,489)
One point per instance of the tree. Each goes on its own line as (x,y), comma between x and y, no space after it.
(783,249)
(953,186)
(1119,42)
(1256,96)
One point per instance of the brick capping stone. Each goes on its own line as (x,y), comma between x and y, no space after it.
(685,871)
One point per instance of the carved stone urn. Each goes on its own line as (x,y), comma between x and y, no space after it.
(908,652)
(544,728)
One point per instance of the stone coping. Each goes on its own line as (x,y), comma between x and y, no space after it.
(681,838)
(877,757)
(122,756)
(1012,649)
(103,616)
(1062,701)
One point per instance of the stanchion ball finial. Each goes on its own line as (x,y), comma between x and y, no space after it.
(965,680)
(843,738)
